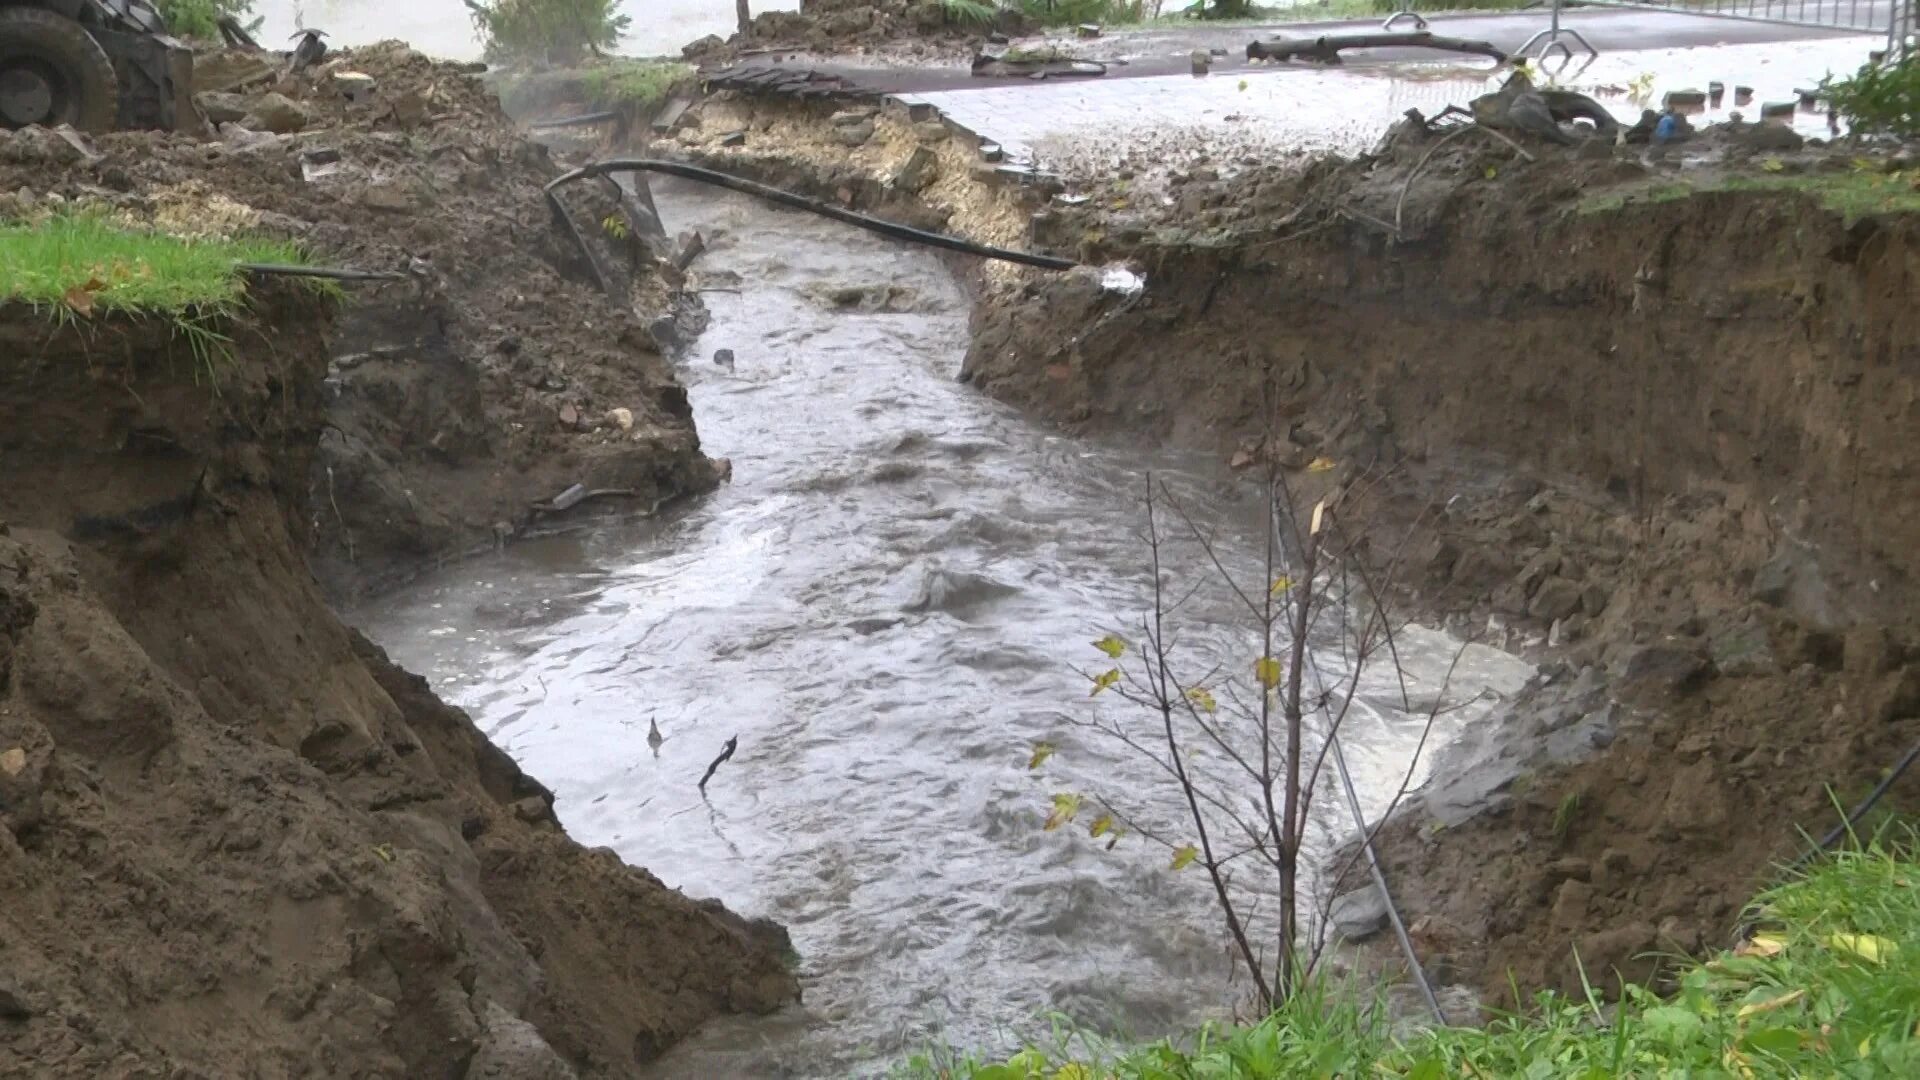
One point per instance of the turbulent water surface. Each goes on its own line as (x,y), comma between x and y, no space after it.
(444,28)
(887,607)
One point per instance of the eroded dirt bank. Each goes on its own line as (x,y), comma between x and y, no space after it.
(497,375)
(1664,438)
(232,835)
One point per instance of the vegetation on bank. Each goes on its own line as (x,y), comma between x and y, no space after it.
(550,31)
(1880,99)
(1828,985)
(80,265)
(639,83)
(1862,192)
(200,19)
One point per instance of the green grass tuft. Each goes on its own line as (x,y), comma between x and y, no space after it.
(83,261)
(641,83)
(1853,195)
(1828,986)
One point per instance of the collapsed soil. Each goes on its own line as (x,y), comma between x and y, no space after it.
(918,30)
(485,383)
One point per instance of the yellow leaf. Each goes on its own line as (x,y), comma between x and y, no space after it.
(1041,752)
(1073,1070)
(1185,855)
(1100,825)
(1773,164)
(80,300)
(1202,699)
(1112,646)
(1867,947)
(1492,172)
(1319,518)
(1771,1004)
(1104,680)
(1763,945)
(1280,584)
(1243,84)
(1267,671)
(1865,1045)
(1065,806)
(385,851)
(1320,464)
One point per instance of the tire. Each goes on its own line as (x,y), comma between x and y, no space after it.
(52,72)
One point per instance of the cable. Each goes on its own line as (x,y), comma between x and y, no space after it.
(801,202)
(334,273)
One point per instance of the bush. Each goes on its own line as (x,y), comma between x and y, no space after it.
(643,83)
(201,18)
(1880,99)
(551,30)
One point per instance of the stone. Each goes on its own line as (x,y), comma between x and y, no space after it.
(533,809)
(276,113)
(1556,599)
(1570,902)
(1202,61)
(13,1003)
(734,138)
(355,86)
(1769,137)
(702,46)
(511,1049)
(1777,110)
(37,146)
(851,117)
(1593,600)
(222,107)
(1669,667)
(1086,30)
(853,134)
(229,69)
(621,418)
(921,168)
(1358,915)
(391,197)
(1741,650)
(569,416)
(931,131)
(12,761)
(1686,99)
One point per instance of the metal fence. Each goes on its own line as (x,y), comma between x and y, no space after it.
(1894,18)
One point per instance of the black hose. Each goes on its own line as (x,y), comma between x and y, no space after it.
(334,273)
(1853,817)
(801,202)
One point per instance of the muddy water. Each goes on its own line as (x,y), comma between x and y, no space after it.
(886,607)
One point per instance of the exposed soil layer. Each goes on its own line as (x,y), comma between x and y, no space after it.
(904,29)
(487,382)
(1665,441)
(235,839)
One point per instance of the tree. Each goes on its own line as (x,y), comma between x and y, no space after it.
(746,17)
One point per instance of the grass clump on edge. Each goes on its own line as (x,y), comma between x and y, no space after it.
(1828,986)
(83,264)
(641,83)
(1862,192)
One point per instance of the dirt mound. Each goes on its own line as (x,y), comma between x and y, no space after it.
(490,379)
(1655,427)
(233,837)
(921,29)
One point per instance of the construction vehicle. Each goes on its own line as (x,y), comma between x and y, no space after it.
(94,64)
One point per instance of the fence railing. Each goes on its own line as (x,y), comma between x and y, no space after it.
(1899,20)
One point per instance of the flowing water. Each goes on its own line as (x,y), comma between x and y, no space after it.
(887,607)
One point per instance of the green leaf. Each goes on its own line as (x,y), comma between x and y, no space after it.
(1105,680)
(1671,1023)
(1185,856)
(1065,806)
(1427,1069)
(1267,671)
(1776,1041)
(1100,825)
(1041,752)
(1113,646)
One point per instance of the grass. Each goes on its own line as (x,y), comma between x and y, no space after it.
(1829,986)
(85,264)
(640,83)
(1853,195)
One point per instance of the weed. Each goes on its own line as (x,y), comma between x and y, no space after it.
(1827,987)
(201,18)
(551,30)
(641,83)
(969,12)
(1565,813)
(1880,99)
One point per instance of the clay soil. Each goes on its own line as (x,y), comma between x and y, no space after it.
(1662,439)
(481,386)
(899,29)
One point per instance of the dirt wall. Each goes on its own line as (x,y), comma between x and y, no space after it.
(1666,446)
(233,836)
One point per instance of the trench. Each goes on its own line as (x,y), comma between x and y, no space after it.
(887,606)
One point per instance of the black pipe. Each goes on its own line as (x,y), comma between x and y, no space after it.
(331,272)
(801,202)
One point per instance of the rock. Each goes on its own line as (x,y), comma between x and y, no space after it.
(1593,600)
(13,1003)
(621,418)
(277,113)
(1570,902)
(1768,137)
(854,134)
(12,761)
(991,151)
(229,69)
(222,107)
(355,86)
(1202,60)
(1086,30)
(1670,667)
(1571,868)
(922,167)
(533,809)
(1777,110)
(392,197)
(734,138)
(569,416)
(1741,650)
(702,46)
(1556,599)
(930,131)
(512,1049)
(39,147)
(1686,99)
(723,358)
(1358,915)
(852,117)
(409,109)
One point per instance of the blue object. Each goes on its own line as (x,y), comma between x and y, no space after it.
(1666,129)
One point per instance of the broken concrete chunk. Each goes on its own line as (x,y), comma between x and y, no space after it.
(1086,30)
(922,167)
(621,418)
(392,197)
(1777,110)
(355,86)
(854,134)
(229,69)
(851,117)
(1358,915)
(1686,99)
(276,113)
(13,1003)
(734,138)
(930,131)
(222,107)
(991,151)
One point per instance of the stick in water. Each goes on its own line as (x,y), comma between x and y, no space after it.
(724,755)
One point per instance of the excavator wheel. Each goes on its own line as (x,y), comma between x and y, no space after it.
(53,72)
